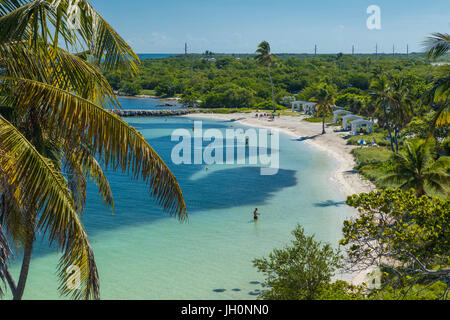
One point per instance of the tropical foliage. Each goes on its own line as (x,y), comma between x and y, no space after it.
(407,236)
(416,168)
(438,45)
(56,130)
(302,271)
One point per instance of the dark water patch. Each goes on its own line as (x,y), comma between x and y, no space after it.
(329,203)
(218,189)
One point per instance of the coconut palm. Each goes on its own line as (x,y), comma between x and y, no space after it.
(266,59)
(56,121)
(391,98)
(437,45)
(416,168)
(325,98)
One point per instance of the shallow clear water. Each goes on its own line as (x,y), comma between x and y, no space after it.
(143,253)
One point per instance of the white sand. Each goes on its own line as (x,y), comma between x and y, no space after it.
(348,179)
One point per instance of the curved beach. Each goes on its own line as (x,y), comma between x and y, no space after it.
(349,181)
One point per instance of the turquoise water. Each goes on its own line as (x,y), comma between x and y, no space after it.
(143,253)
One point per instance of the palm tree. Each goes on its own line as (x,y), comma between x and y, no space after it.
(57,122)
(416,168)
(265,58)
(325,98)
(437,45)
(392,100)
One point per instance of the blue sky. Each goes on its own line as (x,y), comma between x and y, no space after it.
(232,26)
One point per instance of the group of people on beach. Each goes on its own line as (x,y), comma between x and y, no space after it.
(269,116)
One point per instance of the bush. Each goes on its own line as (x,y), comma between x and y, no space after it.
(229,96)
(268,105)
(302,271)
(374,162)
(130,88)
(165,89)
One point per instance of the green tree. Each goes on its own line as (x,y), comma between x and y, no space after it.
(130,88)
(416,168)
(407,236)
(302,271)
(438,45)
(54,124)
(391,97)
(325,98)
(266,59)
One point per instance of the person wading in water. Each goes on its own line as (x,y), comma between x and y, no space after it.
(255,214)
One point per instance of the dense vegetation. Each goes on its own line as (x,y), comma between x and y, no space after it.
(232,81)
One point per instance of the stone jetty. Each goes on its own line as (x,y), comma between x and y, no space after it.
(151,113)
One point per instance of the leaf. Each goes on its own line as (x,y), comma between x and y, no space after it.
(47,190)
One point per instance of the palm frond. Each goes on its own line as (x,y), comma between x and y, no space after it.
(7,6)
(64,70)
(437,45)
(31,22)
(116,143)
(105,45)
(91,167)
(47,190)
(77,183)
(35,21)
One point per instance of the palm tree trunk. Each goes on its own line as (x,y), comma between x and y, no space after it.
(273,94)
(323,125)
(26,261)
(11,282)
(5,271)
(388,127)
(396,139)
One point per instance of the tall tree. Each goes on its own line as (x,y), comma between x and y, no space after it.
(325,98)
(392,100)
(56,122)
(266,59)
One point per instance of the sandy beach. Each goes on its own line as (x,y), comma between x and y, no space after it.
(332,142)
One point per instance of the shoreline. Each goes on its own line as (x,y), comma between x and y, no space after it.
(347,179)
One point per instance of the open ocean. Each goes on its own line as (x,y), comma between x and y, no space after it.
(142,253)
